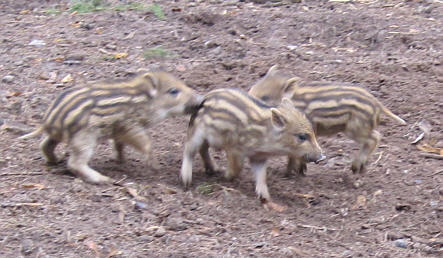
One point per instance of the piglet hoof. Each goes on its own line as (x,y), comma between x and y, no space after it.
(210,171)
(358,167)
(288,174)
(99,180)
(230,176)
(53,163)
(119,160)
(270,205)
(301,170)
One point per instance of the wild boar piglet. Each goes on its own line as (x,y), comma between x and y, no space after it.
(331,107)
(120,111)
(245,127)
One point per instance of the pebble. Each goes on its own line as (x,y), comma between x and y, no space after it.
(146,238)
(211,44)
(87,26)
(15,108)
(73,60)
(140,205)
(8,78)
(37,43)
(27,247)
(176,224)
(3,162)
(433,203)
(161,231)
(111,47)
(402,243)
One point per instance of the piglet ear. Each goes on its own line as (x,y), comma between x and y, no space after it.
(154,84)
(272,71)
(291,84)
(279,122)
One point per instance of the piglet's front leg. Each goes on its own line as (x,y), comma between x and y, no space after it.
(258,167)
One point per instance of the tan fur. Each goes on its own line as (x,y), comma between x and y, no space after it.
(245,127)
(120,111)
(331,107)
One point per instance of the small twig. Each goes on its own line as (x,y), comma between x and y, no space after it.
(101,50)
(226,189)
(316,227)
(22,174)
(307,196)
(436,173)
(118,183)
(419,138)
(379,158)
(20,204)
(108,189)
(431,155)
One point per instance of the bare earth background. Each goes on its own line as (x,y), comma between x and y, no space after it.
(393,48)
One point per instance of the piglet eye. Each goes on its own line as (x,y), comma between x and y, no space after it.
(302,137)
(173,92)
(265,98)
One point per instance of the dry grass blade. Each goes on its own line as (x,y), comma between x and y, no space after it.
(307,196)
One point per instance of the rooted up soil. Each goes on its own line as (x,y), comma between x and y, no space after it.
(393,48)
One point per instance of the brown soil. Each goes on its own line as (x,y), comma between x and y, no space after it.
(394,48)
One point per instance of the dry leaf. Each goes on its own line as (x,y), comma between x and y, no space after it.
(132,192)
(269,205)
(180,68)
(68,78)
(114,252)
(360,203)
(275,232)
(93,246)
(130,35)
(212,203)
(120,55)
(14,94)
(25,12)
(38,186)
(378,192)
(170,190)
(428,148)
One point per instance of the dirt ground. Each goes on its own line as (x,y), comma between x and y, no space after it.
(393,48)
